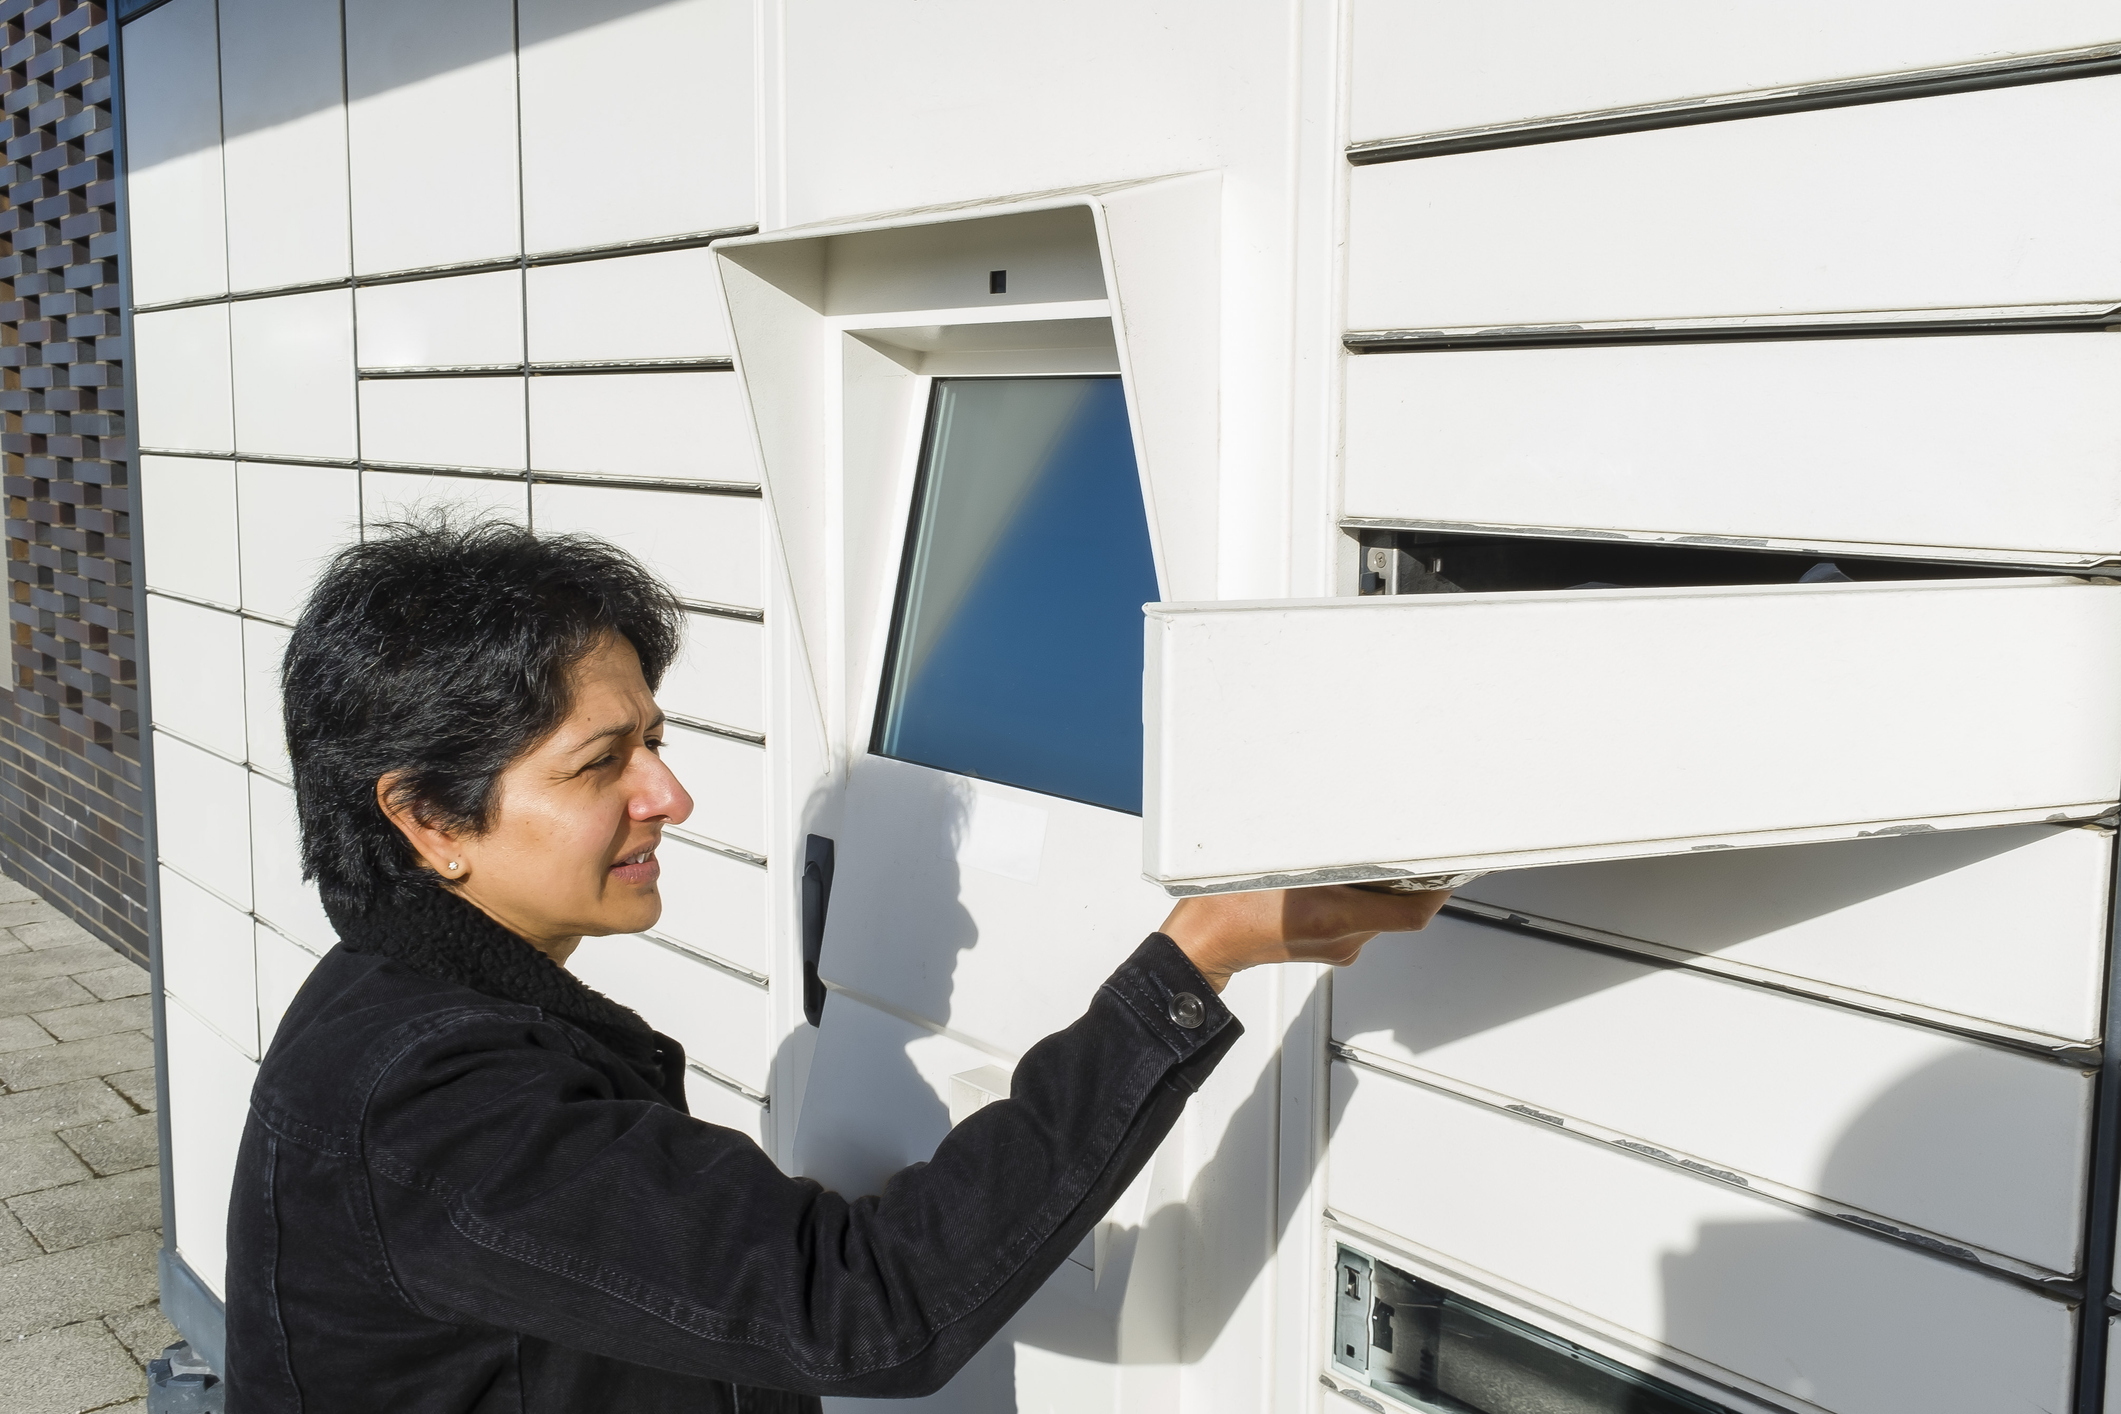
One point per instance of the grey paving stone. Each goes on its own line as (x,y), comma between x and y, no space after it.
(79,1023)
(30,1162)
(10,943)
(17,911)
(15,1241)
(77,1285)
(60,1107)
(13,890)
(20,1033)
(73,1060)
(68,1371)
(145,1333)
(88,956)
(57,931)
(137,1086)
(93,1209)
(115,1146)
(125,980)
(41,994)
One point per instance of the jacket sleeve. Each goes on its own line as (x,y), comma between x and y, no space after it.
(513,1187)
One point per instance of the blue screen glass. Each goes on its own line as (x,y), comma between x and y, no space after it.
(1017,648)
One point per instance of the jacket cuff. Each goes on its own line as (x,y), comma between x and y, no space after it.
(1174,1003)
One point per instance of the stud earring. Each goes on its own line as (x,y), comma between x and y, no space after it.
(452,865)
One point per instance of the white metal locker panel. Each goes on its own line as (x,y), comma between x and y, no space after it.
(207,959)
(283,966)
(186,385)
(723,1022)
(189,507)
(391,495)
(1980,1145)
(283,898)
(202,809)
(1807,1306)
(1887,441)
(198,683)
(663,305)
(685,106)
(705,547)
(175,206)
(461,320)
(727,782)
(264,646)
(721,675)
(452,422)
(714,903)
(432,145)
(718,1104)
(1477,731)
(281,78)
(293,518)
(2006,926)
(1419,68)
(293,369)
(209,1099)
(1973,199)
(689,426)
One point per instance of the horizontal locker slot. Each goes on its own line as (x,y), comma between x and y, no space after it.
(727,782)
(2004,926)
(722,1022)
(1848,209)
(1430,734)
(1975,1144)
(1801,1305)
(678,425)
(715,904)
(1902,442)
(666,304)
(1438,68)
(704,547)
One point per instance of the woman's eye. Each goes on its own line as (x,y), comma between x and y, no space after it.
(655,744)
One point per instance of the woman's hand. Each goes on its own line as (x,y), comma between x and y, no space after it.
(1223,934)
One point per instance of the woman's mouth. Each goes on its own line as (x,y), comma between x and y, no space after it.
(637,868)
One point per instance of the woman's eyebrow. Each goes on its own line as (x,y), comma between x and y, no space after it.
(617,729)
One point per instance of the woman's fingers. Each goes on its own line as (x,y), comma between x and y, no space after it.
(1226,933)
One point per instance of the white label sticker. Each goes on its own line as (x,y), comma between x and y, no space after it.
(1004,837)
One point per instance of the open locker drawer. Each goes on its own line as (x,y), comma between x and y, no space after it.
(1405,736)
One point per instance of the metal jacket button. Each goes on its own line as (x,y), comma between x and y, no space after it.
(1186,1010)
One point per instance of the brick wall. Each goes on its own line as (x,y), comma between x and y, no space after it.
(70,763)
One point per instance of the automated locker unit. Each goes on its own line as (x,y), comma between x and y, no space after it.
(1650,466)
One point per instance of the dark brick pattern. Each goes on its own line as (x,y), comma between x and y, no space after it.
(70,758)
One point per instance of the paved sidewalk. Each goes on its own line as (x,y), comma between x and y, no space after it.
(80,1209)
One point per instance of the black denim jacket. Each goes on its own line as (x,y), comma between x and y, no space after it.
(468,1183)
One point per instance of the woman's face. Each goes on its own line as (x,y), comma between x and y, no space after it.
(576,819)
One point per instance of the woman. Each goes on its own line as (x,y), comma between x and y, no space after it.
(469,1183)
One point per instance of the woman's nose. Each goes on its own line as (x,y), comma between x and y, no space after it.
(658,795)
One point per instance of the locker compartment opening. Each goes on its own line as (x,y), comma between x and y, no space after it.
(1433,1350)
(1425,562)
(1442,1353)
(1016,649)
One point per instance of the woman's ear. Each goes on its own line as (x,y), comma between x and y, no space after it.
(439,848)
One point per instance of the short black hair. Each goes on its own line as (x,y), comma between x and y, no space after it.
(442,650)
